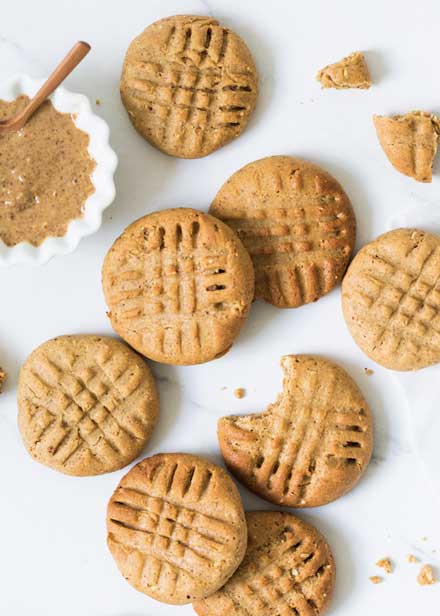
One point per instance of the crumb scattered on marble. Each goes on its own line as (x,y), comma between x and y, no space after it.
(376,579)
(385,564)
(412,559)
(223,388)
(3,377)
(426,576)
(98,101)
(368,371)
(424,538)
(239,392)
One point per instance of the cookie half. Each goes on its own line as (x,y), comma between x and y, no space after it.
(410,142)
(179,285)
(309,447)
(86,404)
(176,527)
(297,224)
(189,85)
(288,569)
(391,299)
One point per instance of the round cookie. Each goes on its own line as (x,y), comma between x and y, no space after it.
(176,527)
(391,299)
(297,224)
(86,404)
(189,85)
(288,569)
(308,448)
(179,285)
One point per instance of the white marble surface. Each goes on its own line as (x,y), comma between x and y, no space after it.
(53,557)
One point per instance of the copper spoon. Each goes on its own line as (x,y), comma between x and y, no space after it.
(64,68)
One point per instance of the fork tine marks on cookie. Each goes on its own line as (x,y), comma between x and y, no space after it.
(284,572)
(311,445)
(185,513)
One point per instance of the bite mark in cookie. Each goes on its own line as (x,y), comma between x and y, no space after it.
(309,447)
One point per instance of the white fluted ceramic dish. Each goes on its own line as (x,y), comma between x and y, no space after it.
(102,177)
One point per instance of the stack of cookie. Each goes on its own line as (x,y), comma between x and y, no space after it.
(179,284)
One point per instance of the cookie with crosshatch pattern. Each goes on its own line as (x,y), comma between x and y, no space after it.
(189,85)
(297,224)
(288,569)
(309,447)
(176,527)
(391,299)
(86,404)
(179,285)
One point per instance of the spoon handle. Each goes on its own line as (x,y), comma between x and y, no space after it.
(64,68)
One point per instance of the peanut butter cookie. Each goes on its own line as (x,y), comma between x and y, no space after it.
(350,72)
(86,404)
(179,285)
(309,447)
(3,378)
(410,142)
(288,569)
(391,299)
(297,224)
(189,85)
(176,527)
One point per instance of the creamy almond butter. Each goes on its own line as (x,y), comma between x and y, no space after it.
(45,171)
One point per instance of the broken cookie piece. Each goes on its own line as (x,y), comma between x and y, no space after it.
(410,142)
(3,377)
(385,563)
(426,576)
(350,72)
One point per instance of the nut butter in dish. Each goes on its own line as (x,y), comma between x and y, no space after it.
(45,171)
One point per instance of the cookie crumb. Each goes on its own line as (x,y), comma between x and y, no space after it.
(223,388)
(376,579)
(3,377)
(385,564)
(98,101)
(426,576)
(424,538)
(368,371)
(412,559)
(239,392)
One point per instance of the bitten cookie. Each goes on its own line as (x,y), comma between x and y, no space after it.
(189,85)
(297,224)
(179,285)
(350,72)
(410,142)
(86,404)
(309,447)
(176,527)
(288,569)
(391,299)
